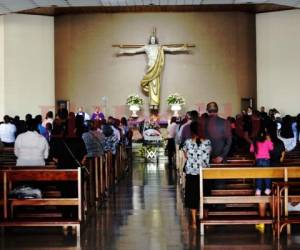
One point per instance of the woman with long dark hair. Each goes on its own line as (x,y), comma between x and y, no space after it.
(261,147)
(197,153)
(278,152)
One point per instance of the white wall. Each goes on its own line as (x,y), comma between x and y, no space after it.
(1,67)
(278,60)
(29,64)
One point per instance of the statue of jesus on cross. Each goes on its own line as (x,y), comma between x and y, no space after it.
(156,58)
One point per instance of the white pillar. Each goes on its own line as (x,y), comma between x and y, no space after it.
(2,96)
(29,80)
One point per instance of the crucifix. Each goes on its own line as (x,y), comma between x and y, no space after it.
(155,55)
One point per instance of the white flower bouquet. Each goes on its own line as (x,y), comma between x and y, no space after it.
(175,99)
(134,100)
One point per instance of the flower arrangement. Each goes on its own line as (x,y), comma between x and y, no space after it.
(134,100)
(175,99)
(144,152)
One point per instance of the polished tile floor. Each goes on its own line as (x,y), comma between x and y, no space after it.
(146,212)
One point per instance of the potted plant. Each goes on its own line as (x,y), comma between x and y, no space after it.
(175,101)
(134,102)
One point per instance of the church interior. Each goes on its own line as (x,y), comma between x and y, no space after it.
(149,124)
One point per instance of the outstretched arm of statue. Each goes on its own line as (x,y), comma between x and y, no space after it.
(131,51)
(181,48)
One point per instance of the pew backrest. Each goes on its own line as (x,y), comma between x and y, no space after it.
(284,173)
(40,175)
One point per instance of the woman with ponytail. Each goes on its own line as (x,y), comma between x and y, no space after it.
(197,152)
(262,147)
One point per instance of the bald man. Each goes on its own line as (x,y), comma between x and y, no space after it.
(218,131)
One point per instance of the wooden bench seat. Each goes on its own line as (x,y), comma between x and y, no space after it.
(234,197)
(233,213)
(240,157)
(38,214)
(49,210)
(44,202)
(7,156)
(239,185)
(38,222)
(241,205)
(47,222)
(241,161)
(232,164)
(294,198)
(282,217)
(232,192)
(250,220)
(15,175)
(239,246)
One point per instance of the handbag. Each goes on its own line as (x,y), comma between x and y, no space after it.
(25,192)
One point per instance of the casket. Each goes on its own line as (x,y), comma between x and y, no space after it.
(152,135)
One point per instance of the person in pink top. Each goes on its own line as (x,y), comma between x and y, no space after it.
(262,147)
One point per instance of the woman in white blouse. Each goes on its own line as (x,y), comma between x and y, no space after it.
(31,148)
(197,153)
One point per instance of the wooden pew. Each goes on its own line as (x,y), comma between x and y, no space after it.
(41,175)
(235,161)
(292,158)
(232,165)
(14,167)
(10,167)
(240,161)
(240,173)
(7,149)
(281,197)
(7,157)
(91,189)
(110,166)
(120,162)
(97,179)
(103,175)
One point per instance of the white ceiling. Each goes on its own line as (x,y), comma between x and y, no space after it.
(10,6)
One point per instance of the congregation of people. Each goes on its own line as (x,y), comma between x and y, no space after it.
(249,131)
(67,138)
(209,139)
(266,136)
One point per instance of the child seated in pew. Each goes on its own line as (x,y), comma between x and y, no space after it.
(261,147)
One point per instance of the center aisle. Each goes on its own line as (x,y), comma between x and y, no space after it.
(145,212)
